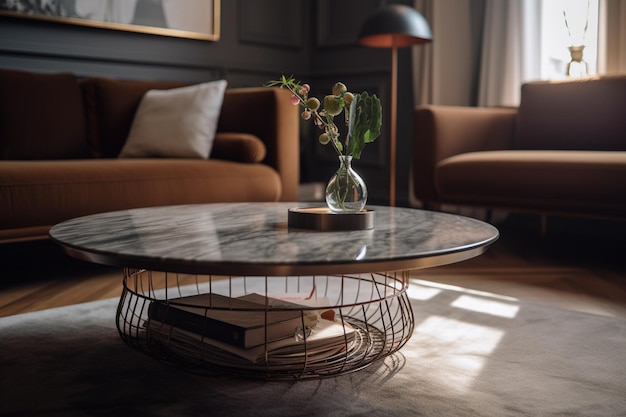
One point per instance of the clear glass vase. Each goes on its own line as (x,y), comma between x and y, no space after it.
(346,191)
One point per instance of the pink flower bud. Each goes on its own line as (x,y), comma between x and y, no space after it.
(295,100)
(306,115)
(304,89)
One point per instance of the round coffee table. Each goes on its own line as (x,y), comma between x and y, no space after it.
(353,284)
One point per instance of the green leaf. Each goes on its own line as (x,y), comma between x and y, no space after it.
(365,122)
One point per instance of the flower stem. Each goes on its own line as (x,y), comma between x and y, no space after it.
(330,128)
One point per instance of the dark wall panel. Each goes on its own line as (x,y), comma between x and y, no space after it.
(284,29)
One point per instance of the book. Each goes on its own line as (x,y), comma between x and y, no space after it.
(236,321)
(328,339)
(324,336)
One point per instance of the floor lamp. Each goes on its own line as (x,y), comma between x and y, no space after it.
(394,26)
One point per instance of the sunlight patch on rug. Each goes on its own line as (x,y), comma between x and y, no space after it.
(482,305)
(467,348)
(440,287)
(422,292)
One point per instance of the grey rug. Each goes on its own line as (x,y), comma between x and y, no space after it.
(472,354)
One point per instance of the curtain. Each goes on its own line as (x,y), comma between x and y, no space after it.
(422,60)
(445,70)
(612,37)
(510,50)
(482,51)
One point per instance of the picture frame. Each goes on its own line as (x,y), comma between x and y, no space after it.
(193,19)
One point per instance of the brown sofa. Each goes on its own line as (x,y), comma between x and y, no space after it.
(60,137)
(561,152)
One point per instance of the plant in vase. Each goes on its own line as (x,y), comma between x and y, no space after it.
(346,191)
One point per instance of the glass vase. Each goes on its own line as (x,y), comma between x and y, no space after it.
(346,191)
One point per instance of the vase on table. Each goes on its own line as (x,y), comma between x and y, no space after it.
(346,191)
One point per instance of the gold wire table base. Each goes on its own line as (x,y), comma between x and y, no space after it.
(372,311)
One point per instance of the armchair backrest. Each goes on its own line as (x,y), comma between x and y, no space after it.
(576,114)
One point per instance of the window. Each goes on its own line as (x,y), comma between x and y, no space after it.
(568,23)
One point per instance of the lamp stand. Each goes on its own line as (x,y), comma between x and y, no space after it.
(393,116)
(394,26)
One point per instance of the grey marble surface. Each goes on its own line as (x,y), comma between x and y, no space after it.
(253,238)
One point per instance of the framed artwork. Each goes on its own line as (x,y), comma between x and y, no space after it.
(195,19)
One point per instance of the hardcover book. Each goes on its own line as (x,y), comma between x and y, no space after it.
(236,321)
(329,339)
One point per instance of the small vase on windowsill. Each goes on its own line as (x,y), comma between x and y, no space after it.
(577,67)
(346,191)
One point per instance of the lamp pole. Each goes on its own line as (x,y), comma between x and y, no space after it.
(394,26)
(393,116)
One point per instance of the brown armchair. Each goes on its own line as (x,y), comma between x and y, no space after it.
(563,151)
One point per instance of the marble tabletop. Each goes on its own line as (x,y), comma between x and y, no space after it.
(254,239)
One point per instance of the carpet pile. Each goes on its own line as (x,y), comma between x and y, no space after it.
(471,354)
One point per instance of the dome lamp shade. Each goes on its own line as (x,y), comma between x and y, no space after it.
(395,25)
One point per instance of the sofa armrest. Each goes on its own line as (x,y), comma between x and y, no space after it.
(238,147)
(268,114)
(444,131)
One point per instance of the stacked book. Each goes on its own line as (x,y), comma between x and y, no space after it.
(249,330)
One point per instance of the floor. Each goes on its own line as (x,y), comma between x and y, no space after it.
(578,264)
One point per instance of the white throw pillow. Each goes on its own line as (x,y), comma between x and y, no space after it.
(176,123)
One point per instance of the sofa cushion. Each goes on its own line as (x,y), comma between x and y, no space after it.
(43,193)
(562,181)
(176,123)
(111,105)
(41,116)
(579,114)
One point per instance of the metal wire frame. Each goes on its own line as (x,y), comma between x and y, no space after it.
(373,309)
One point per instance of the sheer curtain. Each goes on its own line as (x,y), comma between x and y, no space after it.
(510,50)
(445,71)
(612,37)
(482,51)
(422,59)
